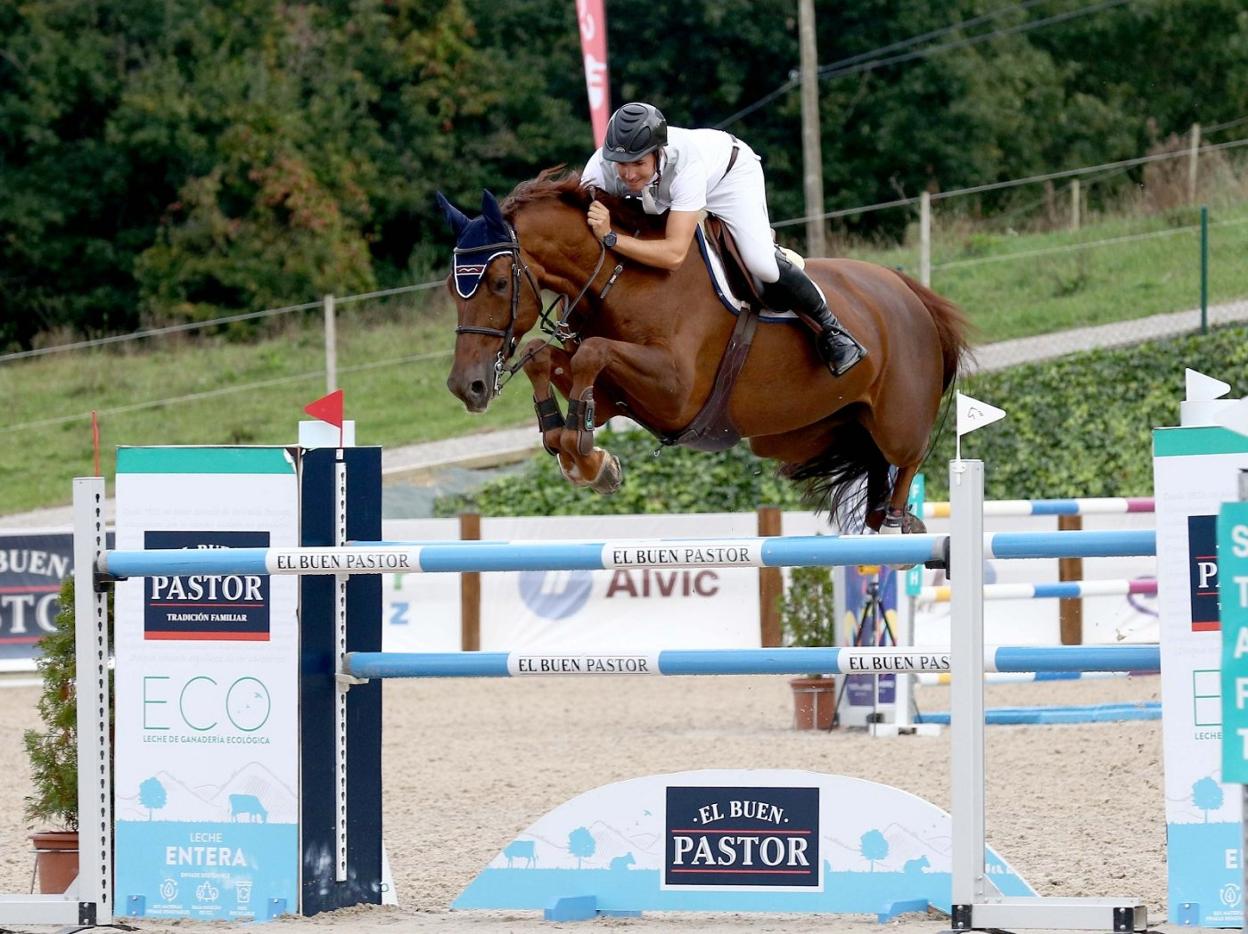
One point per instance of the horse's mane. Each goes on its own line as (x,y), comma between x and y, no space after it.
(559,183)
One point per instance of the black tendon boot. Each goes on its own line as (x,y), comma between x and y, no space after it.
(795,292)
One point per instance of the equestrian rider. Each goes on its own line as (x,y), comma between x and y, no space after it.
(685,172)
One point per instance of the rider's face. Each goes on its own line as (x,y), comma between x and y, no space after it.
(634,175)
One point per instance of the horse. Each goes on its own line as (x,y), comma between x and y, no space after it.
(649,344)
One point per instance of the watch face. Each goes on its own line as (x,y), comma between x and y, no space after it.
(609,239)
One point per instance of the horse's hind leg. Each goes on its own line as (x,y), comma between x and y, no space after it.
(896,517)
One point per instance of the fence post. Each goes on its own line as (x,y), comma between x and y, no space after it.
(470,588)
(1070,609)
(331,345)
(1193,157)
(925,238)
(1075,197)
(1204,269)
(770,583)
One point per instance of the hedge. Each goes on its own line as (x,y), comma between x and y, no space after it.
(1077,426)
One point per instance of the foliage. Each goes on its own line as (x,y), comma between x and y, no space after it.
(176,161)
(54,753)
(1082,425)
(657,480)
(807,609)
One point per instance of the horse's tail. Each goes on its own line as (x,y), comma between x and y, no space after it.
(952,327)
(833,478)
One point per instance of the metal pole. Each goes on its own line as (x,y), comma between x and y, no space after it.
(925,238)
(966,645)
(1204,269)
(812,156)
(95,794)
(331,346)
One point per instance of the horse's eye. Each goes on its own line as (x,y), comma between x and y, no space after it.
(499,284)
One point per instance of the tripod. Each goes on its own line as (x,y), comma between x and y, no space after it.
(872,628)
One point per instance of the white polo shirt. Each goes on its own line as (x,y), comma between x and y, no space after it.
(693,164)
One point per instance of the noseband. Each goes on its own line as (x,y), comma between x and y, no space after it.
(554,329)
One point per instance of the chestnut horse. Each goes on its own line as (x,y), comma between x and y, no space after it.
(647,343)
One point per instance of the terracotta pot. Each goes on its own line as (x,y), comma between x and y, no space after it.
(56,856)
(814,703)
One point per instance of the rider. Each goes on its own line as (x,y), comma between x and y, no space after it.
(684,172)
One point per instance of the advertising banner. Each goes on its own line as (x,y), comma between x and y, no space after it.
(770,840)
(207,759)
(633,609)
(1195,471)
(32,567)
(591,19)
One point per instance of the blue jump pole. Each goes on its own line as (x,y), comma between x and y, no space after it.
(777,661)
(795,551)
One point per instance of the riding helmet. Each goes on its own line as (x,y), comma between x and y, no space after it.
(634,130)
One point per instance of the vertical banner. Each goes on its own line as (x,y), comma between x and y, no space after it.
(207,719)
(1195,471)
(1233,565)
(591,18)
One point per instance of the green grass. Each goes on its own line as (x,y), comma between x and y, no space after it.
(394,354)
(1018,285)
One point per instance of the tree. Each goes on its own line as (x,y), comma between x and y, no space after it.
(152,795)
(873,846)
(581,844)
(1207,795)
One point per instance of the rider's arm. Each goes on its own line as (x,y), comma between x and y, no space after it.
(667,253)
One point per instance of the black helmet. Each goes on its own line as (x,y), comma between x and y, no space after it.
(635,129)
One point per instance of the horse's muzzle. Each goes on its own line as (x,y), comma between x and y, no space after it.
(474,393)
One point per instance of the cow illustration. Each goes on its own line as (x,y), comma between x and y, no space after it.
(521,850)
(249,806)
(621,863)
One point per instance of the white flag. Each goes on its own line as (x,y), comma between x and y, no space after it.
(974,414)
(1202,388)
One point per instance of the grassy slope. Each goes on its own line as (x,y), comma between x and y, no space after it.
(260,384)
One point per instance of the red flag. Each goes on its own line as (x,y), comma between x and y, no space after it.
(327,408)
(592,20)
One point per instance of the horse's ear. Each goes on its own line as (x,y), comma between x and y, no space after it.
(457,219)
(491,211)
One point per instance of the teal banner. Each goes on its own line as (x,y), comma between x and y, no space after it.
(1232,570)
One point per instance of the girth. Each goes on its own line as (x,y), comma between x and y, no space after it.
(711,429)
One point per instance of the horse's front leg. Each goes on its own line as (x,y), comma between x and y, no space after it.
(628,365)
(540,358)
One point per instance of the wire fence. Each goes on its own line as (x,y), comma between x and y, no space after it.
(1066,250)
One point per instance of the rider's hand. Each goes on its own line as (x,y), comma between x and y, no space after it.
(599,219)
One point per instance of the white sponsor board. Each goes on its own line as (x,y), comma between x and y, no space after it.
(627,608)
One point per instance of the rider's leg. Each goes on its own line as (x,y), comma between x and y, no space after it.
(796,291)
(740,199)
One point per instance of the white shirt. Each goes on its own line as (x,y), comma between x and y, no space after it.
(693,164)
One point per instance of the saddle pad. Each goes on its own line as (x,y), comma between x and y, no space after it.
(719,281)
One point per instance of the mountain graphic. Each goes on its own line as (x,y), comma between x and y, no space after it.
(212,802)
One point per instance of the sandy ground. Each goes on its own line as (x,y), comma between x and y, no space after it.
(469,763)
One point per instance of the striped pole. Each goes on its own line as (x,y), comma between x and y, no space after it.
(795,551)
(781,661)
(1087,506)
(1060,590)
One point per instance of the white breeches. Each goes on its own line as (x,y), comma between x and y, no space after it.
(740,200)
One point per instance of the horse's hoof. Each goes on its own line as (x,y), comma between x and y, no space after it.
(609,477)
(571,473)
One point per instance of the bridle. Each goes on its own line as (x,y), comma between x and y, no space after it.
(554,329)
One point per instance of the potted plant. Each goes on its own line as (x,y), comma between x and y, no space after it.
(808,618)
(53,754)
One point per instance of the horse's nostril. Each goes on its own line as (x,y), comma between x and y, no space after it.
(477,388)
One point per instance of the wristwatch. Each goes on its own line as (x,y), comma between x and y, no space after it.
(609,240)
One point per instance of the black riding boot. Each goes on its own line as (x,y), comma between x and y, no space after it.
(795,292)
